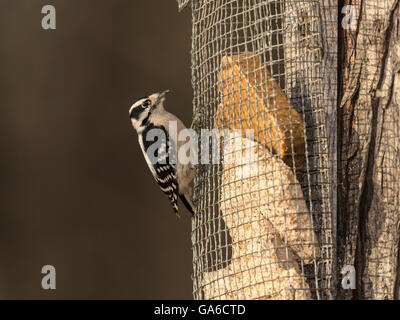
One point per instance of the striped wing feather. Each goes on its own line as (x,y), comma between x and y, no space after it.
(163,170)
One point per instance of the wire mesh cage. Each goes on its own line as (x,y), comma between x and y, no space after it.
(263,228)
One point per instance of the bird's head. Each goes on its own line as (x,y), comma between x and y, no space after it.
(144,107)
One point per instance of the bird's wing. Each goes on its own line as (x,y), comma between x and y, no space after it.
(158,157)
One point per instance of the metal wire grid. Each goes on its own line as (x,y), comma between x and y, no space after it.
(263,229)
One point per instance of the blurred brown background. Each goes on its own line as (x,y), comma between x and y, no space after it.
(75,189)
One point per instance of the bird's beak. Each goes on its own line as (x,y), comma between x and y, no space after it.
(162,95)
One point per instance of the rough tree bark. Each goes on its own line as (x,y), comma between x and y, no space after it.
(368,145)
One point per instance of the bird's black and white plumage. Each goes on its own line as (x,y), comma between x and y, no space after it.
(148,116)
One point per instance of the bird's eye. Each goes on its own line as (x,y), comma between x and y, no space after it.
(146,103)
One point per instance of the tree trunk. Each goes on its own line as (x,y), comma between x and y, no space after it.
(368,145)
